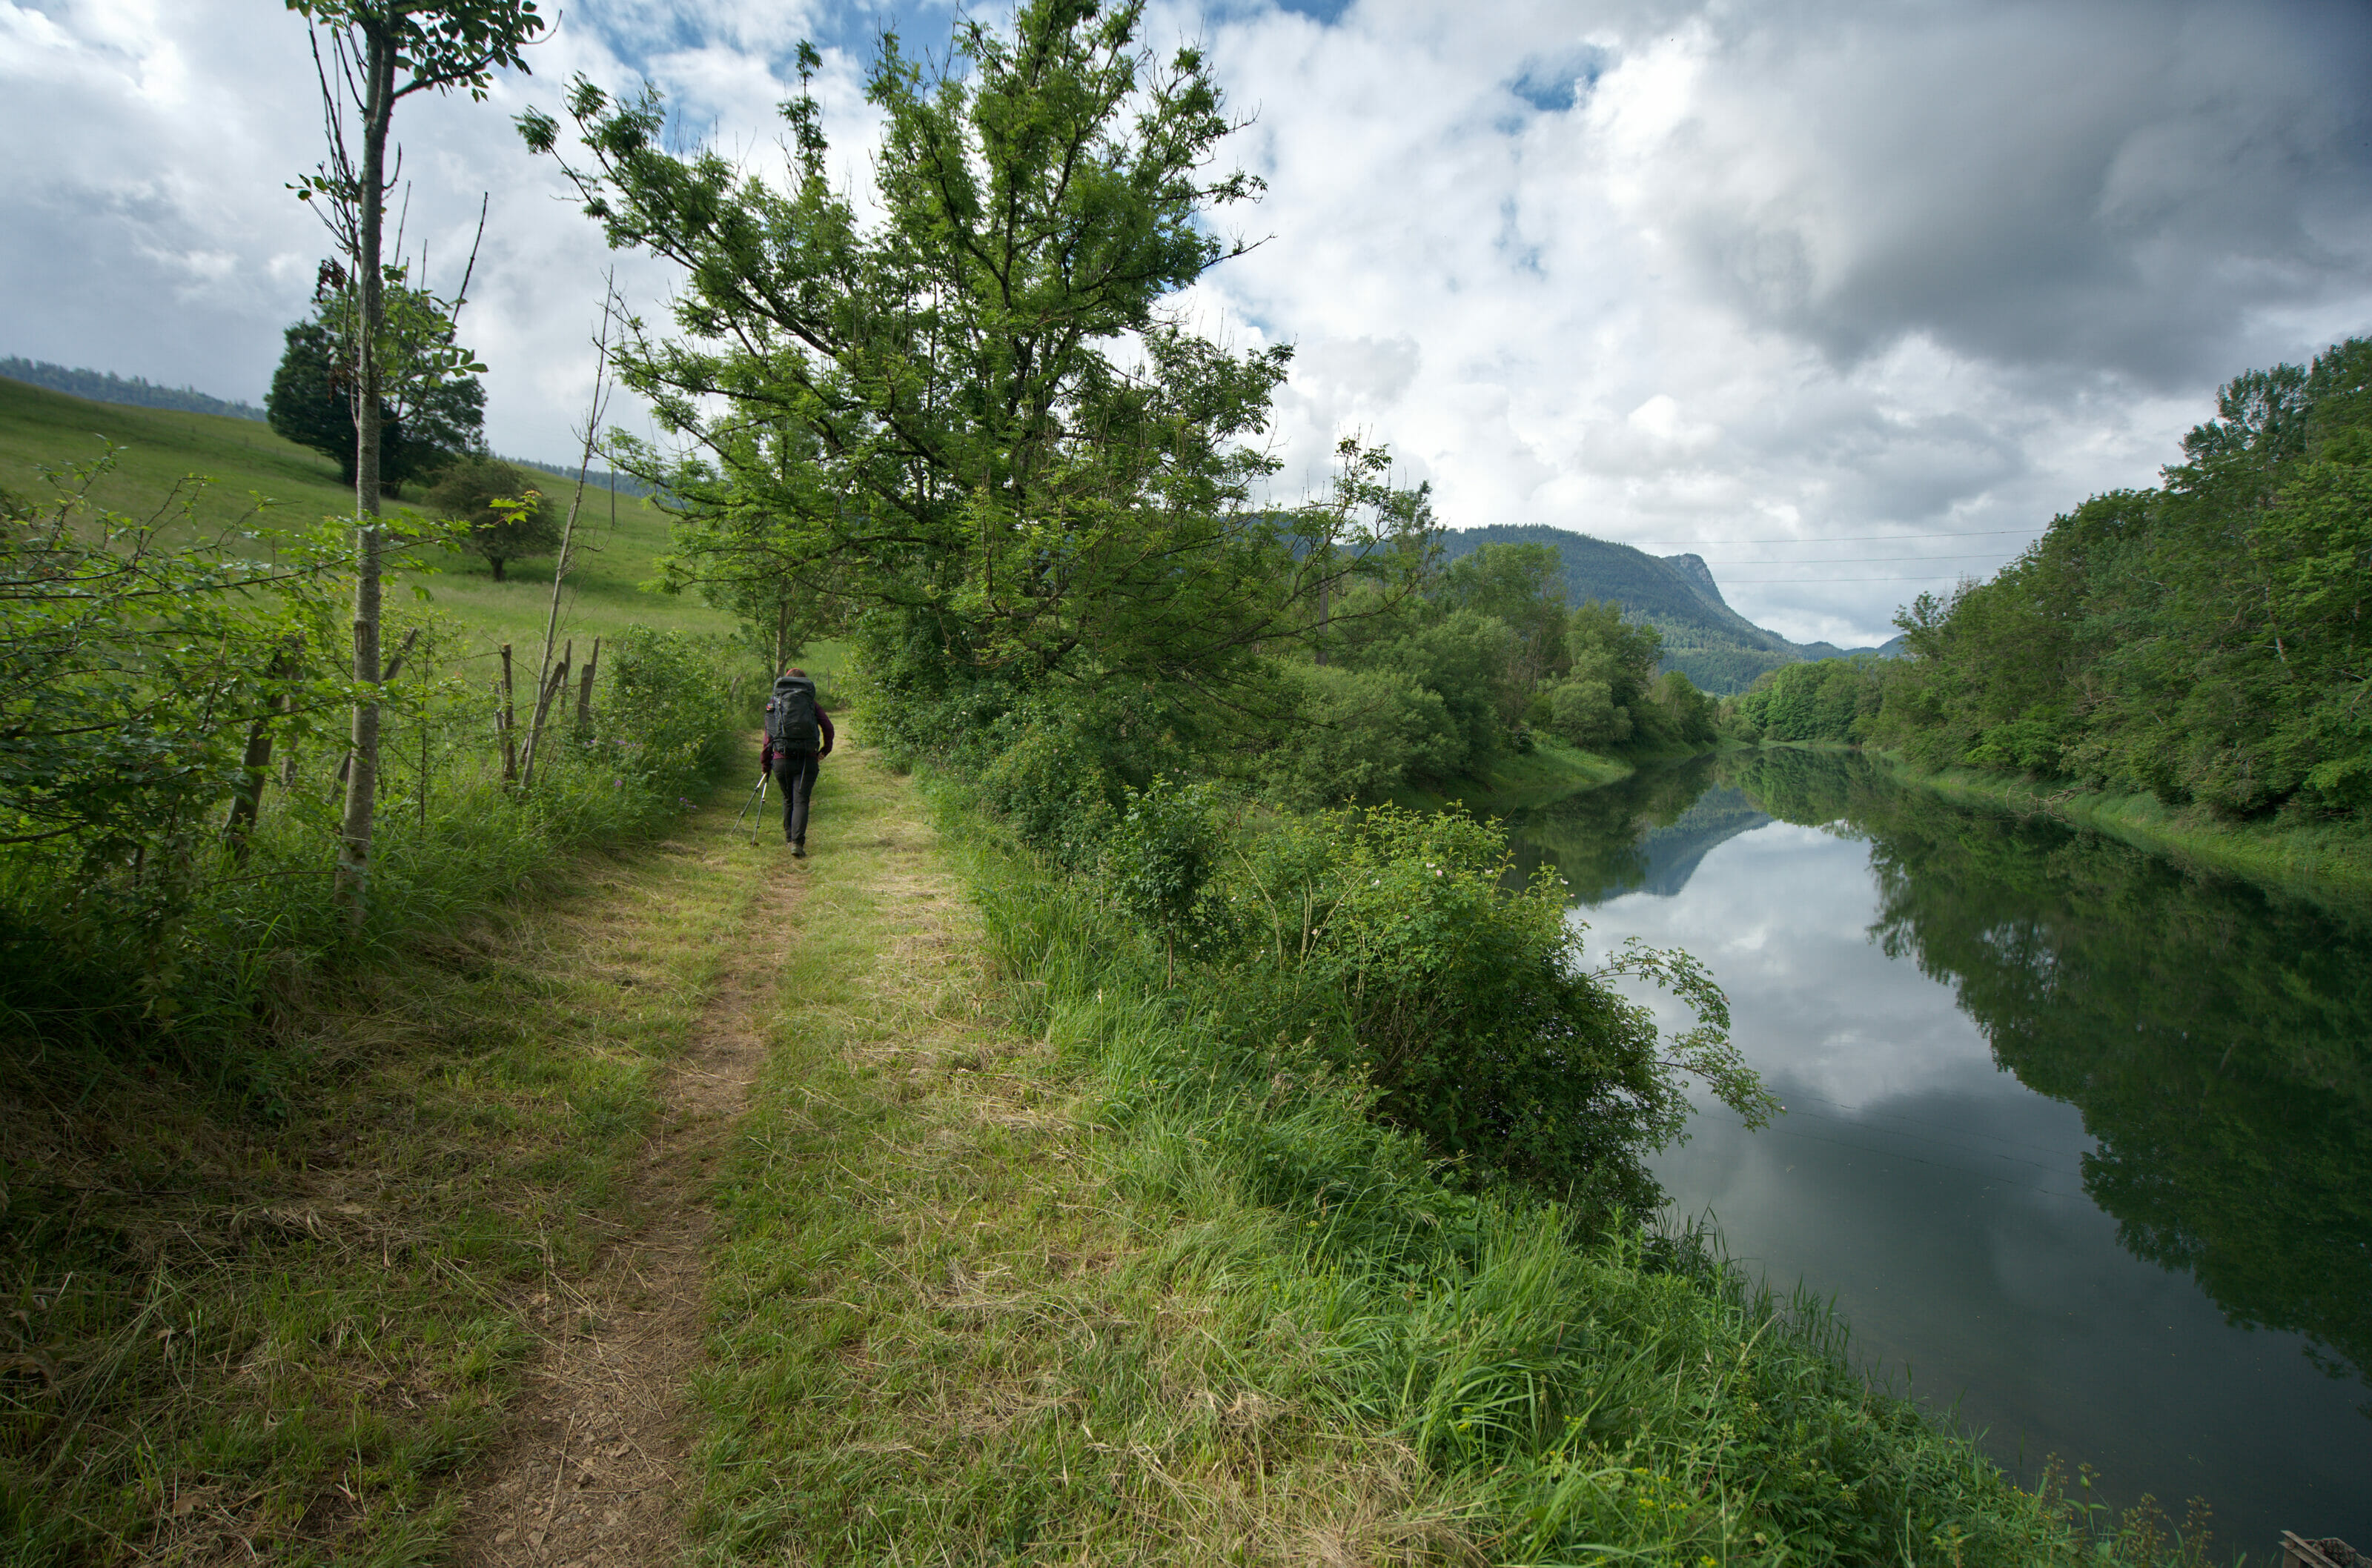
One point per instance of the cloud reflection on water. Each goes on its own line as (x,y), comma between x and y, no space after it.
(1941,1203)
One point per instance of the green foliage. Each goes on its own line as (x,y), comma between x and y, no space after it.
(669,716)
(135,656)
(507,517)
(2205,642)
(1579,1392)
(1687,714)
(1469,662)
(1612,695)
(1585,712)
(1522,586)
(427,420)
(1159,862)
(140,666)
(441,44)
(1468,1005)
(913,402)
(1357,735)
(1833,701)
(1389,943)
(1719,649)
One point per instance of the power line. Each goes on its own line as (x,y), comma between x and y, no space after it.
(1840,582)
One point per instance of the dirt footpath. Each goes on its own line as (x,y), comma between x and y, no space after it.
(595,1469)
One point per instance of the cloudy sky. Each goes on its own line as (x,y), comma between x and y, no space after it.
(1848,296)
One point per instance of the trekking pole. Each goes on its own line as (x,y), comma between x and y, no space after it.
(757,794)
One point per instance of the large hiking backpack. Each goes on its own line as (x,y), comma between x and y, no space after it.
(791,714)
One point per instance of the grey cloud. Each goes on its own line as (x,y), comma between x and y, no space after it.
(1894,267)
(2106,186)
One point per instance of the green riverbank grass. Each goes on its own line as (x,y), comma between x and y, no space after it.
(2312,858)
(1551,770)
(236,1335)
(1020,1264)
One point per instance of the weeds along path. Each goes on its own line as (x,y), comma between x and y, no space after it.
(593,1468)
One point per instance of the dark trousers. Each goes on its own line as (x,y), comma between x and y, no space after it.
(795,775)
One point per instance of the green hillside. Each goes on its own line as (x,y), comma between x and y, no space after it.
(1716,647)
(246,461)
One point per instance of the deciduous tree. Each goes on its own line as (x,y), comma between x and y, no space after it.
(469,492)
(965,404)
(310,404)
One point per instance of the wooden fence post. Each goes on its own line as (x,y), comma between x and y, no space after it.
(584,688)
(509,724)
(552,685)
(248,800)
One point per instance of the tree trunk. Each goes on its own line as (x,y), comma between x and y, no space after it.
(496,561)
(361,775)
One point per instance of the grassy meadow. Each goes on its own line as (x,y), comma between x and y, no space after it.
(246,467)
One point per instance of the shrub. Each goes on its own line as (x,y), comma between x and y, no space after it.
(468,491)
(1356,735)
(1469,1006)
(1585,712)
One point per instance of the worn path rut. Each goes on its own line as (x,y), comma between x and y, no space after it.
(595,1470)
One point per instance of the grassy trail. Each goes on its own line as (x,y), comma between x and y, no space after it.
(931,1333)
(939,1334)
(592,1466)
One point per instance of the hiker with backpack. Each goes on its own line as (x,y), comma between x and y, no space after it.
(798,736)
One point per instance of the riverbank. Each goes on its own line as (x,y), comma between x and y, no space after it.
(2306,858)
(1561,1392)
(1551,770)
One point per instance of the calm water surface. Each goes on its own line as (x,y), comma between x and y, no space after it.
(2078,1143)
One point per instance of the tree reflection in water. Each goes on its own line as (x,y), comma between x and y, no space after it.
(2217,1038)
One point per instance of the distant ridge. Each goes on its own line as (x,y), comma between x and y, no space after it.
(1713,645)
(595,479)
(103,387)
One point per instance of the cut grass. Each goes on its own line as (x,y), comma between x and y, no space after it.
(247,464)
(235,1338)
(161,448)
(943,1334)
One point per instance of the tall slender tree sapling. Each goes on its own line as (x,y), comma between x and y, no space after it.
(384,51)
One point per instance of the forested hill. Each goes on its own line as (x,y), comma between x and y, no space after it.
(103,387)
(2208,642)
(1716,647)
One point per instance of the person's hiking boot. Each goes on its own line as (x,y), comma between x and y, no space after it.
(798,849)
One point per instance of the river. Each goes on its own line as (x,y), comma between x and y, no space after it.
(2079,1142)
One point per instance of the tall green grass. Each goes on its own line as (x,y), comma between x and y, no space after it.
(1584,1392)
(275,1196)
